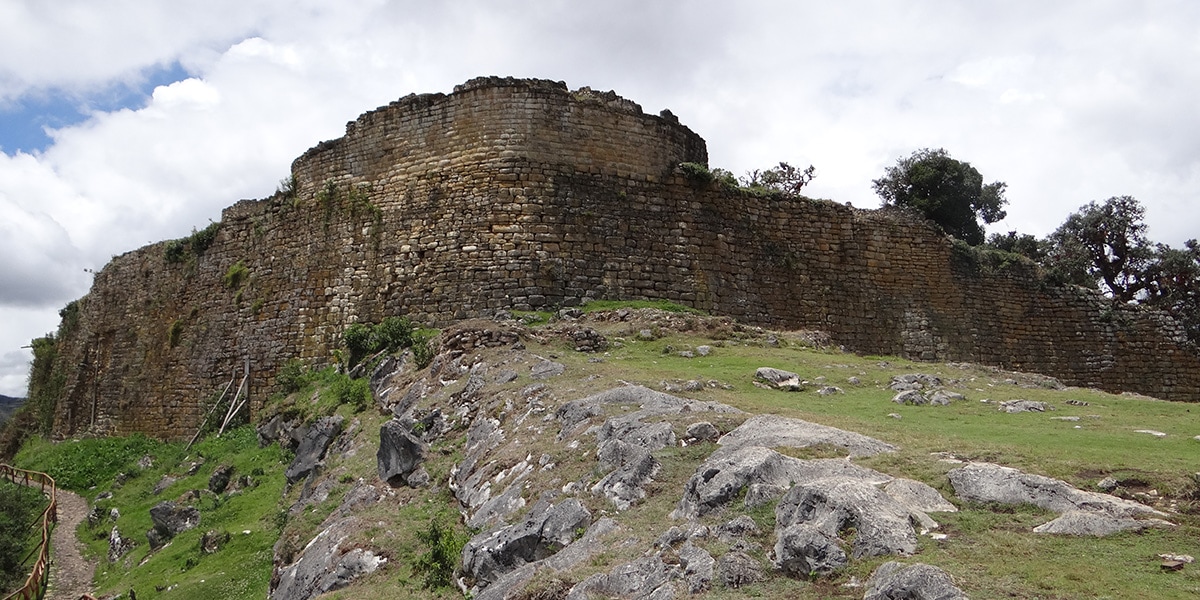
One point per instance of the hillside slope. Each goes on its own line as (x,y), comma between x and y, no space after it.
(580,456)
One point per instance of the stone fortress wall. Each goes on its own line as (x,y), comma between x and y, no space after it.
(521,194)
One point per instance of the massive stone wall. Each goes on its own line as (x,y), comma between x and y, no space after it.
(521,194)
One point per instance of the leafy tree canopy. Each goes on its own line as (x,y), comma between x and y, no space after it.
(1104,243)
(949,192)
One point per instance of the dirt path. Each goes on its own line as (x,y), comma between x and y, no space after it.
(70,573)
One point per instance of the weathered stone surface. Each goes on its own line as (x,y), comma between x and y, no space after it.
(802,550)
(1077,522)
(212,541)
(724,475)
(918,496)
(780,379)
(835,504)
(774,431)
(698,566)
(894,581)
(400,454)
(170,519)
(633,467)
(1018,406)
(544,531)
(324,565)
(987,482)
(315,441)
(118,546)
(641,578)
(703,432)
(547,369)
(219,480)
(736,569)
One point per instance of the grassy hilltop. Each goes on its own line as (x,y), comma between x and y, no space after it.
(990,550)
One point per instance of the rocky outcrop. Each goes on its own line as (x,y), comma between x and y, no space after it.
(400,455)
(773,431)
(1084,513)
(545,530)
(725,475)
(170,519)
(895,581)
(837,504)
(313,444)
(325,564)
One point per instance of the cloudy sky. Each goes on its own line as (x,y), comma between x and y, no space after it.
(124,122)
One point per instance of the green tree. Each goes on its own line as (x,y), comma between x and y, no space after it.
(1104,245)
(1173,284)
(785,178)
(949,192)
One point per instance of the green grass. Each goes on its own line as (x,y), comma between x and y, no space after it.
(241,569)
(990,550)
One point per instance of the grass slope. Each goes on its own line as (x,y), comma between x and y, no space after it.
(990,550)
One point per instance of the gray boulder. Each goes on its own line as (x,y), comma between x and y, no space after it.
(703,432)
(633,467)
(170,519)
(326,564)
(803,550)
(219,480)
(913,397)
(315,441)
(724,475)
(835,504)
(546,369)
(698,566)
(118,546)
(737,569)
(894,581)
(987,482)
(1078,522)
(943,397)
(644,578)
(546,530)
(1019,406)
(400,454)
(779,379)
(772,431)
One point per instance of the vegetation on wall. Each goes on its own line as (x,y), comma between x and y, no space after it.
(195,245)
(781,180)
(946,191)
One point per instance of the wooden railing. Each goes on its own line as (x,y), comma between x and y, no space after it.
(35,586)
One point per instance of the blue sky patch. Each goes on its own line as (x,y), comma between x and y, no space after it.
(23,122)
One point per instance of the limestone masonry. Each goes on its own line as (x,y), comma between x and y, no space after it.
(521,194)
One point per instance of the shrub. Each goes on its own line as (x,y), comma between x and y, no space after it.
(355,392)
(19,507)
(437,564)
(236,275)
(293,376)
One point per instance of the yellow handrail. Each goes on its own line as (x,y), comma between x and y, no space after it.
(35,585)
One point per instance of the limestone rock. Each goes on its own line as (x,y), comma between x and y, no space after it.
(545,530)
(774,431)
(400,454)
(547,369)
(324,565)
(118,546)
(219,480)
(724,475)
(698,566)
(802,550)
(779,379)
(642,578)
(737,569)
(212,541)
(1078,522)
(832,505)
(169,520)
(894,581)
(313,444)
(703,432)
(987,482)
(1017,406)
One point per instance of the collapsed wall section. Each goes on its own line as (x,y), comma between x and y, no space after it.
(520,194)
